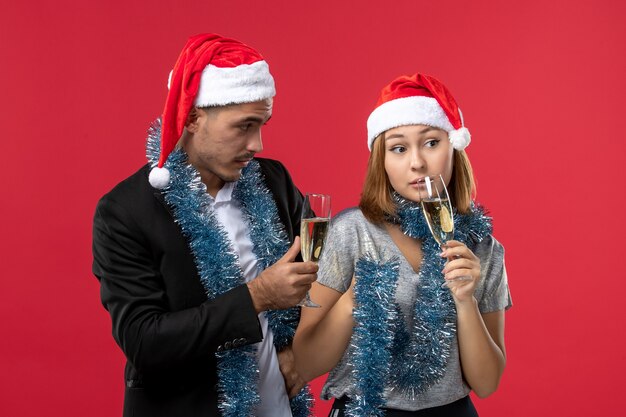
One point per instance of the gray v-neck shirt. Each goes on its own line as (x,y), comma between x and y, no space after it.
(352,236)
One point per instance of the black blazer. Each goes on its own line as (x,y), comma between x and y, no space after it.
(160,314)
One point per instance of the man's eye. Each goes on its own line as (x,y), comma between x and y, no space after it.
(245,126)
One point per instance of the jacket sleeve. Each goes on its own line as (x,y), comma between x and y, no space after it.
(152,337)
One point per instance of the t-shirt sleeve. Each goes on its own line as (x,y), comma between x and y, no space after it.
(493,291)
(336,265)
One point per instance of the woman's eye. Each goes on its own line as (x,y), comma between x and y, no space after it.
(397,149)
(431,143)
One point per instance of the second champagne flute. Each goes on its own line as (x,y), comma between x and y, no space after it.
(313,229)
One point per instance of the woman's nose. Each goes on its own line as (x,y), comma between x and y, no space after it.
(417,161)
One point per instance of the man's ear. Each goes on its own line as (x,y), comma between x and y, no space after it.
(192,123)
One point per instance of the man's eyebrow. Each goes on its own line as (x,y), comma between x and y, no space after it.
(251,119)
(254,119)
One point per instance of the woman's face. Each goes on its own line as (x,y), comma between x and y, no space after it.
(414,152)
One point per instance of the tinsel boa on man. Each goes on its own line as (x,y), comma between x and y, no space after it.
(219,268)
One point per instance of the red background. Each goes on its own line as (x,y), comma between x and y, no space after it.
(542,88)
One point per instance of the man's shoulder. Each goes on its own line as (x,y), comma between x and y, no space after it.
(273,170)
(273,165)
(131,188)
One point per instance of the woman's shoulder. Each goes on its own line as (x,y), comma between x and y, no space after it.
(351,218)
(489,247)
(348,215)
(351,222)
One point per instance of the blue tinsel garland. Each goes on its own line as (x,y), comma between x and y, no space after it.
(381,341)
(219,270)
(375,319)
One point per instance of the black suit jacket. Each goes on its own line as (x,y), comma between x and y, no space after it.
(160,314)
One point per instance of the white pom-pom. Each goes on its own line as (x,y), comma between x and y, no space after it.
(460,138)
(159,177)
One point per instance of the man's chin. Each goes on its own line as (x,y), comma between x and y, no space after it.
(231,177)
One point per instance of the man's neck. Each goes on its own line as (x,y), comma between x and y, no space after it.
(213,183)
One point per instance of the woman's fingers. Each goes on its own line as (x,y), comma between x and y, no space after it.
(456,249)
(459,263)
(462,272)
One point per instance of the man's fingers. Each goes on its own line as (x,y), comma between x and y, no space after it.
(303,267)
(301,279)
(303,283)
(308,278)
(296,388)
(293,251)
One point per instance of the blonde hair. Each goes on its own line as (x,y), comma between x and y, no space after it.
(376,199)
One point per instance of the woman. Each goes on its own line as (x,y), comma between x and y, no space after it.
(396,341)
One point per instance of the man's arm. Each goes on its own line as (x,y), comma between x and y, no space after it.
(133,291)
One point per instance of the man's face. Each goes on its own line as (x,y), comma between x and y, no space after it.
(224,139)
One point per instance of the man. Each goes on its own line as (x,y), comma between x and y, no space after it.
(193,251)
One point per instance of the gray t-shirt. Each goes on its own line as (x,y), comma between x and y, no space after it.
(350,237)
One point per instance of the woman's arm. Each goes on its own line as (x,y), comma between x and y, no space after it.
(323,333)
(480,336)
(481,346)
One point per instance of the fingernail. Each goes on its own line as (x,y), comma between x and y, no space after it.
(443,254)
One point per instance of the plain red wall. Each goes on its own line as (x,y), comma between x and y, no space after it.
(542,87)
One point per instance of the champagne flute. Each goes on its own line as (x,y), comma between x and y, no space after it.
(437,210)
(313,228)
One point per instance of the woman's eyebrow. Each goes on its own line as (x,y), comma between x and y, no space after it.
(394,136)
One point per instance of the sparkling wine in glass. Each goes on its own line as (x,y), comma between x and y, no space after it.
(437,209)
(313,229)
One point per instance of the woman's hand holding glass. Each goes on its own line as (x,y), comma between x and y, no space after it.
(462,271)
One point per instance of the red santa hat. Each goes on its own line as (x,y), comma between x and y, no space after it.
(211,70)
(418,99)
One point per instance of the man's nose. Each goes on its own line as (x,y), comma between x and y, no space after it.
(255,144)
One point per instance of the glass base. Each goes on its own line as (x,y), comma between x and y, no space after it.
(447,282)
(307,302)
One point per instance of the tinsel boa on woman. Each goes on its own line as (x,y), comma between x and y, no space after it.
(385,351)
